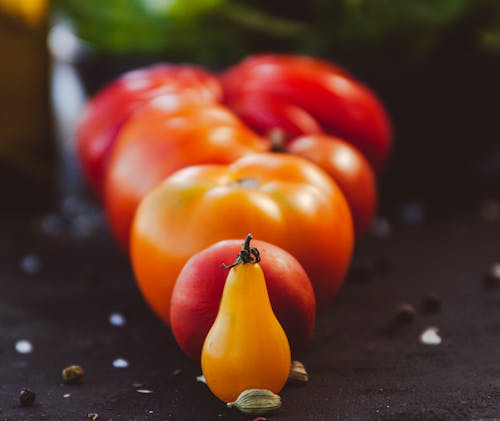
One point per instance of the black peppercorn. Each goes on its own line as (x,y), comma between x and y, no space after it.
(27,397)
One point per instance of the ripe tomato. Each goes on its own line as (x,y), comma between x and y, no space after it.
(280,198)
(111,107)
(198,291)
(265,113)
(340,104)
(156,141)
(348,167)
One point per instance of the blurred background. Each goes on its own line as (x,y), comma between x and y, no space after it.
(434,63)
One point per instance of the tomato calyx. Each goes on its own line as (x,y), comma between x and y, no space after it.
(246,255)
(246,182)
(278,139)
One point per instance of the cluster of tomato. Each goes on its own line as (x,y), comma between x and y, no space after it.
(185,163)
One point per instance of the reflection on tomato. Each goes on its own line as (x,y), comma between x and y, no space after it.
(265,113)
(280,198)
(350,170)
(156,141)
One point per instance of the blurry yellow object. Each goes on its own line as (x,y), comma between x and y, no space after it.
(31,11)
(24,104)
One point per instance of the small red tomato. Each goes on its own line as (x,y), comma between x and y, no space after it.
(348,168)
(111,107)
(198,291)
(340,104)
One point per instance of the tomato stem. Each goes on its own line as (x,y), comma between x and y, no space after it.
(277,137)
(247,254)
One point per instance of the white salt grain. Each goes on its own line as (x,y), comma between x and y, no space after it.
(117,319)
(430,336)
(24,346)
(120,363)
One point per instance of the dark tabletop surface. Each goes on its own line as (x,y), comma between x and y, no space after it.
(59,289)
(61,278)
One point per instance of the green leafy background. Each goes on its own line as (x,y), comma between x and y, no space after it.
(221,31)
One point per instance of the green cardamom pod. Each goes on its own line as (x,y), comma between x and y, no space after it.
(298,374)
(256,402)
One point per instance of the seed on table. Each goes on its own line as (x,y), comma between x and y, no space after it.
(298,374)
(72,374)
(404,314)
(27,397)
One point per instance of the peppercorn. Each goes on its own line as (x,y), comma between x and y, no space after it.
(72,374)
(27,397)
(404,314)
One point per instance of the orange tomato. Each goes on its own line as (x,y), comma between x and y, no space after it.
(157,141)
(282,199)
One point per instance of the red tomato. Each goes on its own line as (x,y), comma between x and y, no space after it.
(340,104)
(111,107)
(347,166)
(265,113)
(198,291)
(156,141)
(279,198)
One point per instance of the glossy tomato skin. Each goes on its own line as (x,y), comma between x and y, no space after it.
(198,291)
(156,141)
(111,107)
(265,113)
(279,198)
(350,170)
(339,103)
